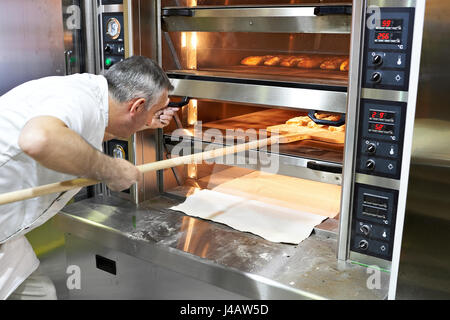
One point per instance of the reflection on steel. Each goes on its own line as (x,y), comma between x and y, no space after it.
(331,101)
(258,19)
(211,253)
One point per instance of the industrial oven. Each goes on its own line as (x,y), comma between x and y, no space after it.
(136,246)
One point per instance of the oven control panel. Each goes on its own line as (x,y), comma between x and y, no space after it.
(387,56)
(386,67)
(112,23)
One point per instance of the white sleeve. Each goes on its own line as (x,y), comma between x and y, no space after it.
(83,118)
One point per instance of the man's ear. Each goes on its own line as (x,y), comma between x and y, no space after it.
(137,106)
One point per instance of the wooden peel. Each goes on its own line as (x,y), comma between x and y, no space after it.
(154,166)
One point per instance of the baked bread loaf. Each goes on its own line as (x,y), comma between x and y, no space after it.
(345,66)
(333,63)
(272,62)
(255,60)
(291,61)
(311,62)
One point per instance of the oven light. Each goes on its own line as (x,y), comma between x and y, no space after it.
(192,170)
(192,112)
(183,40)
(194,40)
(191,51)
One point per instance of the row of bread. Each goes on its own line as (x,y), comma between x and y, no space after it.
(325,62)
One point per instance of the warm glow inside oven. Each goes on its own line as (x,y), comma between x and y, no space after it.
(303,175)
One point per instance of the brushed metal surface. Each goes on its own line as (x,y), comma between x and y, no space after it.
(258,19)
(331,101)
(237,262)
(424,271)
(351,130)
(32,37)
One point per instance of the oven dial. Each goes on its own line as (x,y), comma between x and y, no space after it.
(370,164)
(108,49)
(371,148)
(365,229)
(376,77)
(377,60)
(363,245)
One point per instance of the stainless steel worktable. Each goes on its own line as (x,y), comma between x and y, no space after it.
(237,264)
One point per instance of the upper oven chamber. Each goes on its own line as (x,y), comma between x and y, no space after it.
(237,54)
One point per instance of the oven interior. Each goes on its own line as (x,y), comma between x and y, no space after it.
(221,56)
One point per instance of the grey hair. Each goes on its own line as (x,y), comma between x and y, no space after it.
(137,77)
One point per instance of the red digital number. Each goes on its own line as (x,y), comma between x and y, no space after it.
(374,115)
(387,23)
(383,36)
(382,115)
(379,127)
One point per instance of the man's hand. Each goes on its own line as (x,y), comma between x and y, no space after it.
(162,118)
(122,175)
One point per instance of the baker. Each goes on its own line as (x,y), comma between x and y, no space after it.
(52,130)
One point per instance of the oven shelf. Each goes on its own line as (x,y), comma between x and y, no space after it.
(334,19)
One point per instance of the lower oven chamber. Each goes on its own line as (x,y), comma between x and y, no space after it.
(308,167)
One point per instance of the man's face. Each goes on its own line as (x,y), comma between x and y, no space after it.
(159,105)
(146,115)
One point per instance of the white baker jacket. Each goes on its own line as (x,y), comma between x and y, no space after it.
(81,102)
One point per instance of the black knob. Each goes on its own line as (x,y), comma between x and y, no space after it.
(376,77)
(108,49)
(363,245)
(365,229)
(370,165)
(377,60)
(371,148)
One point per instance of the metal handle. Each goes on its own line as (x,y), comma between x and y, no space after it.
(68,56)
(324,167)
(180,104)
(340,122)
(332,10)
(178,12)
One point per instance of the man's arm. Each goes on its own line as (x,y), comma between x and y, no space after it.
(51,143)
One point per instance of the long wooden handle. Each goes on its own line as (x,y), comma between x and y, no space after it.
(154,166)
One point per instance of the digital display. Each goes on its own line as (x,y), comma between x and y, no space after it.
(381,128)
(377,115)
(376,201)
(388,37)
(374,212)
(390,24)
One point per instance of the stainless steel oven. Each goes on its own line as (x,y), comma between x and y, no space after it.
(248,65)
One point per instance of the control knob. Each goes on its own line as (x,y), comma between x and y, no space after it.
(365,229)
(370,164)
(377,60)
(371,148)
(108,49)
(376,77)
(363,245)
